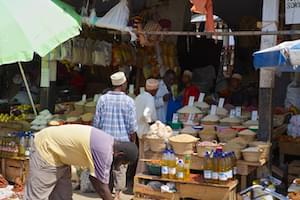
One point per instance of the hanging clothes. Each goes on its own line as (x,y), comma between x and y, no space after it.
(205,7)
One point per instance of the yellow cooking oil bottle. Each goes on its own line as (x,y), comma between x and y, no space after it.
(215,169)
(165,164)
(208,168)
(187,167)
(180,170)
(172,165)
(222,168)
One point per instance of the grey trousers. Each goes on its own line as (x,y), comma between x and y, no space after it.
(47,182)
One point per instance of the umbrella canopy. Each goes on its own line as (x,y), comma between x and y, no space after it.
(32,26)
(285,57)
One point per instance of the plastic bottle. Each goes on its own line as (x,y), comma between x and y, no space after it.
(233,163)
(172,165)
(187,166)
(215,171)
(207,168)
(164,164)
(180,170)
(229,166)
(222,169)
(22,145)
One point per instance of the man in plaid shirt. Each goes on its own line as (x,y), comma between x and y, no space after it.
(115,114)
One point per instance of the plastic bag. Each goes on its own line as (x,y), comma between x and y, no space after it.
(87,52)
(85,183)
(292,96)
(66,50)
(77,51)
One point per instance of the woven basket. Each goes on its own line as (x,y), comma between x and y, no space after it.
(202,149)
(89,109)
(183,148)
(156,145)
(226,135)
(79,108)
(265,146)
(248,138)
(252,156)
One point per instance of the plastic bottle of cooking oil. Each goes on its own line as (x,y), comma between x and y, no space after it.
(180,170)
(216,170)
(207,168)
(228,166)
(233,163)
(187,166)
(172,165)
(165,164)
(222,169)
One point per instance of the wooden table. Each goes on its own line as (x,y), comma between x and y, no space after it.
(194,188)
(245,168)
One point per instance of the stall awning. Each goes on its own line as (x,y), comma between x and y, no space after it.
(285,57)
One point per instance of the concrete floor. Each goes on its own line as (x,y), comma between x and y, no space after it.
(92,196)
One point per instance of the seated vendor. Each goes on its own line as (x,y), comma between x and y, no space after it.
(189,88)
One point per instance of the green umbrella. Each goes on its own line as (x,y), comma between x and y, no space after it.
(69,9)
(32,26)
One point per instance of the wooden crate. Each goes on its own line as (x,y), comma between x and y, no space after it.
(13,168)
(194,188)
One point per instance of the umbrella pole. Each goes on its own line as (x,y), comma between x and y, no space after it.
(27,88)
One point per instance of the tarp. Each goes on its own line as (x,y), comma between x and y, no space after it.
(285,57)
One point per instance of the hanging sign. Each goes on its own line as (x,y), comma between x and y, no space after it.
(292,11)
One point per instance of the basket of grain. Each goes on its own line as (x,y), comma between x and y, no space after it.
(183,144)
(222,112)
(250,123)
(203,106)
(156,144)
(248,135)
(206,146)
(265,146)
(210,120)
(79,106)
(230,121)
(90,107)
(190,131)
(252,154)
(226,134)
(185,112)
(235,145)
(208,133)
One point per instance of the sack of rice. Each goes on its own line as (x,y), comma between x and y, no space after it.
(210,119)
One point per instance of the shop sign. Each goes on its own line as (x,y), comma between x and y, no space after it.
(292,11)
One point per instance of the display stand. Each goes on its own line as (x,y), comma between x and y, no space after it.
(194,188)
(244,169)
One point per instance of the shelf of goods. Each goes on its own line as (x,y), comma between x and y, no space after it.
(194,188)
(244,168)
(288,146)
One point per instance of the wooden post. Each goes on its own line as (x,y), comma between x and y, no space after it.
(267,76)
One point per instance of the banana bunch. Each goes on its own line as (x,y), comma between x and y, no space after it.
(5,117)
(24,107)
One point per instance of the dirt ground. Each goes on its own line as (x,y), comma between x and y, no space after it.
(92,196)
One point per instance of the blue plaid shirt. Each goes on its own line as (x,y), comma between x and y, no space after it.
(116,115)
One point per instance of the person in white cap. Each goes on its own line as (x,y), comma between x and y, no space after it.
(116,115)
(164,94)
(146,114)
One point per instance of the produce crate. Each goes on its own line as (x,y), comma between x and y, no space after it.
(194,188)
(15,167)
